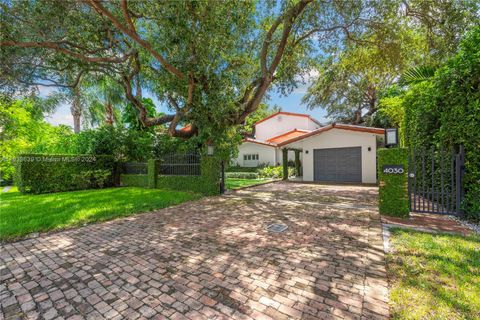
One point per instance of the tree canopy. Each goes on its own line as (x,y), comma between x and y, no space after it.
(353,78)
(210,62)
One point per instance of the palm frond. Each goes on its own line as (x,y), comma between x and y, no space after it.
(417,75)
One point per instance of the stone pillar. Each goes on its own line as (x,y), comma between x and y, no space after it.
(152,173)
(285,164)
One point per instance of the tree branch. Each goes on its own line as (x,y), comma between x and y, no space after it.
(96,4)
(126,15)
(259,86)
(57,47)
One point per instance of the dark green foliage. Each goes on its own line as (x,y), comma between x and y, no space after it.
(152,165)
(242,175)
(241,169)
(207,183)
(43,173)
(274,172)
(123,144)
(285,164)
(130,115)
(134,180)
(393,190)
(445,111)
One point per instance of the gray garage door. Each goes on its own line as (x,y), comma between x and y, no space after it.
(338,164)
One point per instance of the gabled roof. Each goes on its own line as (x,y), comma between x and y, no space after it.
(288,135)
(334,126)
(289,114)
(265,143)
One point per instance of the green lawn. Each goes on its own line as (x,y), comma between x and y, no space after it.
(240,183)
(434,276)
(24,214)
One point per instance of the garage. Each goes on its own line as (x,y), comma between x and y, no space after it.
(338,153)
(338,164)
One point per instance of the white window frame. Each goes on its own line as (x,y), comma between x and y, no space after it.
(250,158)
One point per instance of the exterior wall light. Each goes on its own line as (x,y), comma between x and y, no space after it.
(210,149)
(391,137)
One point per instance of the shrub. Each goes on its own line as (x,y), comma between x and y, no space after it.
(91,179)
(393,190)
(242,175)
(275,172)
(241,169)
(446,111)
(43,173)
(207,183)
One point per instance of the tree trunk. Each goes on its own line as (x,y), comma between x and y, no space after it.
(76,122)
(109,115)
(76,110)
(357,117)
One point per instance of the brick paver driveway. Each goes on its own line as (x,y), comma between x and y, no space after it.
(210,259)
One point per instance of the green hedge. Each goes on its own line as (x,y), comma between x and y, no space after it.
(393,188)
(445,111)
(43,173)
(152,165)
(207,183)
(242,169)
(134,180)
(242,175)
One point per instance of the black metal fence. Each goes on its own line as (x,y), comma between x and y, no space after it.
(435,180)
(179,164)
(134,168)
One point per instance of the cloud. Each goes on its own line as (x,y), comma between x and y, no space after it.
(45,91)
(61,116)
(305,81)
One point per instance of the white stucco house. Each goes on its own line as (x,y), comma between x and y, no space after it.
(331,153)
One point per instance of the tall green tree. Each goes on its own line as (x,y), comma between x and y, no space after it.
(23,129)
(104,100)
(353,78)
(212,62)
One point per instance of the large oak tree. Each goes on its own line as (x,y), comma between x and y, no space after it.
(211,62)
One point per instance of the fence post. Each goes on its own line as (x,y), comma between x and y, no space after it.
(152,173)
(459,169)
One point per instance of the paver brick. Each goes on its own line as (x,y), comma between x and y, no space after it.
(210,259)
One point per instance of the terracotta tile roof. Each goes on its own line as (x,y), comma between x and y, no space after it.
(288,135)
(265,143)
(186,128)
(333,126)
(289,114)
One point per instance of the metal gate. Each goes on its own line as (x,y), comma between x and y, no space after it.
(435,180)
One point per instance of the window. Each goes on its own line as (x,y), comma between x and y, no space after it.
(250,157)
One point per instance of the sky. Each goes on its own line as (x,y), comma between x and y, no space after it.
(290,103)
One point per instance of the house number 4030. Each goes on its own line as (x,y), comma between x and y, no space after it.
(393,169)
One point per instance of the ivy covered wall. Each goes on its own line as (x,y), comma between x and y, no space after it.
(393,188)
